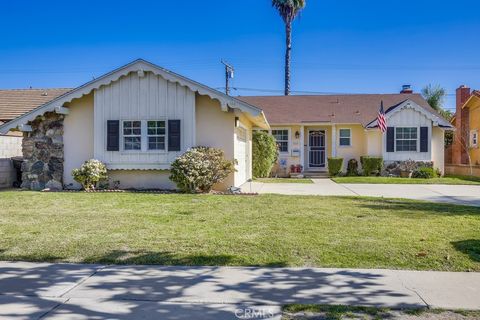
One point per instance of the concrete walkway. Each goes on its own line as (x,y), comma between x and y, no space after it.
(68,291)
(457,194)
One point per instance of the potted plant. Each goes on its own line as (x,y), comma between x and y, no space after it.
(407,168)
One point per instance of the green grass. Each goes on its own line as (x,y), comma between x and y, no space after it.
(451,180)
(266,230)
(338,312)
(283,180)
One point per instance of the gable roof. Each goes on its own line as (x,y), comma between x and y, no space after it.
(346,108)
(15,102)
(254,113)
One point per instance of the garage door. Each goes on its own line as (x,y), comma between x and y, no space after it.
(241,155)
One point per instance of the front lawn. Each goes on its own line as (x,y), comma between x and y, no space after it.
(283,180)
(343,312)
(452,180)
(266,230)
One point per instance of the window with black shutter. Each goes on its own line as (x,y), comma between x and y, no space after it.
(423,139)
(174,135)
(391,139)
(113,135)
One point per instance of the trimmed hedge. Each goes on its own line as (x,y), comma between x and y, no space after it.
(264,154)
(425,173)
(371,165)
(335,166)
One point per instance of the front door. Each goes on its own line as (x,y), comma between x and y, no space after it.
(316,149)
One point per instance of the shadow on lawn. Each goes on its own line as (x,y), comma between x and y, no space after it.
(470,247)
(170,259)
(411,207)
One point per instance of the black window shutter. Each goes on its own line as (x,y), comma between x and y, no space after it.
(113,135)
(423,139)
(391,139)
(174,136)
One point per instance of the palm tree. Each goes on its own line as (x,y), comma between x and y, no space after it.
(288,10)
(435,96)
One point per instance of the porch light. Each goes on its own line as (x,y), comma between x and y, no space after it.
(237,122)
(297,135)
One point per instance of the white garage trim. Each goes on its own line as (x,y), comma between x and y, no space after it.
(241,155)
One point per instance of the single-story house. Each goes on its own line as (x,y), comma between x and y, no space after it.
(139,118)
(309,129)
(136,119)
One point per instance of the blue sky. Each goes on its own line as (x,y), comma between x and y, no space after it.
(346,46)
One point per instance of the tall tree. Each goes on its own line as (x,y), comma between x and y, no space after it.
(288,10)
(434,95)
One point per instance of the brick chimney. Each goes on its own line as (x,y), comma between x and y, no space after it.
(406,89)
(461,126)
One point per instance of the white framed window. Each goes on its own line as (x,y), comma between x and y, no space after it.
(144,135)
(156,132)
(132,135)
(473,138)
(406,139)
(345,137)
(282,136)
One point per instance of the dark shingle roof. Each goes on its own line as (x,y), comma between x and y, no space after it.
(14,103)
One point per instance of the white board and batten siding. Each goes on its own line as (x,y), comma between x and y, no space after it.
(150,97)
(409,117)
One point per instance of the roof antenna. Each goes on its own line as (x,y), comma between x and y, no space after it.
(229,72)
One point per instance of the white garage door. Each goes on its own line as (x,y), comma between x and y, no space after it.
(241,155)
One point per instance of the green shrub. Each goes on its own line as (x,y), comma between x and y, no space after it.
(90,174)
(352,168)
(264,154)
(199,169)
(335,166)
(371,165)
(424,173)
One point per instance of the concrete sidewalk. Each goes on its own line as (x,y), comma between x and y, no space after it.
(68,291)
(456,194)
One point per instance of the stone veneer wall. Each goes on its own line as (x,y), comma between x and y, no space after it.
(43,153)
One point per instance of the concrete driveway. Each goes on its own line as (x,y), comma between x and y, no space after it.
(69,291)
(457,194)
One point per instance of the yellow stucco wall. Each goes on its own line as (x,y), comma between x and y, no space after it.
(374,143)
(474,124)
(77,136)
(358,145)
(216,128)
(357,148)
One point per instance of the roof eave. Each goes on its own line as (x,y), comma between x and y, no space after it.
(139,65)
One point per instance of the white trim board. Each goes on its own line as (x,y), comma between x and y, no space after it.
(141,66)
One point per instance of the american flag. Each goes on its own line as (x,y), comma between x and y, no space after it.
(381,120)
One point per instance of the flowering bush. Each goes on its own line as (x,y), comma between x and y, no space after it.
(90,174)
(199,169)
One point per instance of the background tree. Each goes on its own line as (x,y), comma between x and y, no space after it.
(288,10)
(435,96)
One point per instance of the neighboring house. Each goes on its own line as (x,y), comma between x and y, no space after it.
(14,103)
(137,120)
(309,129)
(466,147)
